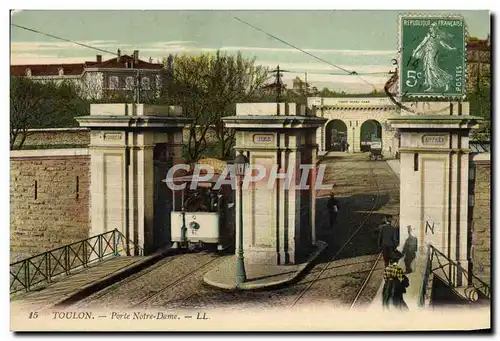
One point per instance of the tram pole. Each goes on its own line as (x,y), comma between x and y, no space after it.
(240,163)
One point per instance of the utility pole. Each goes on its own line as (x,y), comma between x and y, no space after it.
(307,85)
(277,85)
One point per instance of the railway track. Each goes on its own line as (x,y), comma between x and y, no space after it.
(177,281)
(367,279)
(150,277)
(343,248)
(112,289)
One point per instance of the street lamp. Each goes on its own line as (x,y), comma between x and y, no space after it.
(241,163)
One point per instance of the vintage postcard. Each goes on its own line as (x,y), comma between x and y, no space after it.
(230,170)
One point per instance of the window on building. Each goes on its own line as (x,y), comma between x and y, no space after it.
(129,83)
(113,82)
(145,83)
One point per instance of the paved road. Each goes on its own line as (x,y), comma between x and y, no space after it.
(176,282)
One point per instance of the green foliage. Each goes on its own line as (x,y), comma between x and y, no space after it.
(208,86)
(479,98)
(480,105)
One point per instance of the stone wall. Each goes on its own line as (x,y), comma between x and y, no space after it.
(481,223)
(49,200)
(79,138)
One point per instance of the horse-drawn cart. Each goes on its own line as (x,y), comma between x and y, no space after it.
(376,151)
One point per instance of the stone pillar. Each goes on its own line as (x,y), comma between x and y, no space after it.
(278,221)
(131,146)
(434,168)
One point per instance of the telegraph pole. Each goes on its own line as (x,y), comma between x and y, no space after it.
(277,85)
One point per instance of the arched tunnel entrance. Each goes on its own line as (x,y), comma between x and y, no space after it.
(336,130)
(370,131)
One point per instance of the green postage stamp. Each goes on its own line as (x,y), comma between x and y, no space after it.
(432,56)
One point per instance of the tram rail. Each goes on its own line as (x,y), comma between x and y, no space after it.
(343,247)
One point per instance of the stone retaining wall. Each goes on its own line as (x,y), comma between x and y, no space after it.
(49,200)
(481,220)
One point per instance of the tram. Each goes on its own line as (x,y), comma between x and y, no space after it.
(205,216)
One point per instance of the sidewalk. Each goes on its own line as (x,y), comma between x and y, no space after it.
(413,291)
(412,294)
(259,275)
(394,164)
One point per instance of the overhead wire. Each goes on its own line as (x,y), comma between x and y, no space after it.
(173,76)
(81,44)
(308,53)
(69,41)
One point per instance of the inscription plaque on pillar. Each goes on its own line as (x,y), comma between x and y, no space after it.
(434,140)
(112,136)
(263,138)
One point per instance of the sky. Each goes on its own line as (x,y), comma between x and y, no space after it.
(361,41)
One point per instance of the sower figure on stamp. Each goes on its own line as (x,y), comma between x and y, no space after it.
(395,283)
(387,239)
(333,209)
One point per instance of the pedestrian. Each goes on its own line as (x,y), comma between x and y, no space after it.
(410,250)
(387,239)
(333,209)
(395,284)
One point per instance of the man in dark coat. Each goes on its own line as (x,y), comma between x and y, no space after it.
(333,209)
(387,239)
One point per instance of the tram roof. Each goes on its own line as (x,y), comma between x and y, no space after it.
(190,178)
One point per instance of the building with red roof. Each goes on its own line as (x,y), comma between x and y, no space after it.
(95,78)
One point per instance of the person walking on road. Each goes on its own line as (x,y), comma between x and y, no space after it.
(333,209)
(387,240)
(395,284)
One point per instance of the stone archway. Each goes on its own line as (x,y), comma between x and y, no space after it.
(335,131)
(371,130)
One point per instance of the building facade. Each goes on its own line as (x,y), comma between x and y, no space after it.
(358,121)
(478,61)
(98,79)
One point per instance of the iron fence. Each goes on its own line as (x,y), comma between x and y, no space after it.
(43,268)
(453,273)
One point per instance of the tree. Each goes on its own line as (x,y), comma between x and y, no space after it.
(480,105)
(208,87)
(42,105)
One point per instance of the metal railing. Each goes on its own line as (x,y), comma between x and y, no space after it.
(43,268)
(453,273)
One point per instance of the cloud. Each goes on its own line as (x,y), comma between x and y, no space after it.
(292,50)
(186,46)
(344,79)
(166,43)
(34,58)
(325,68)
(60,46)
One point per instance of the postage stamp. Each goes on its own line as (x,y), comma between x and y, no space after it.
(432,56)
